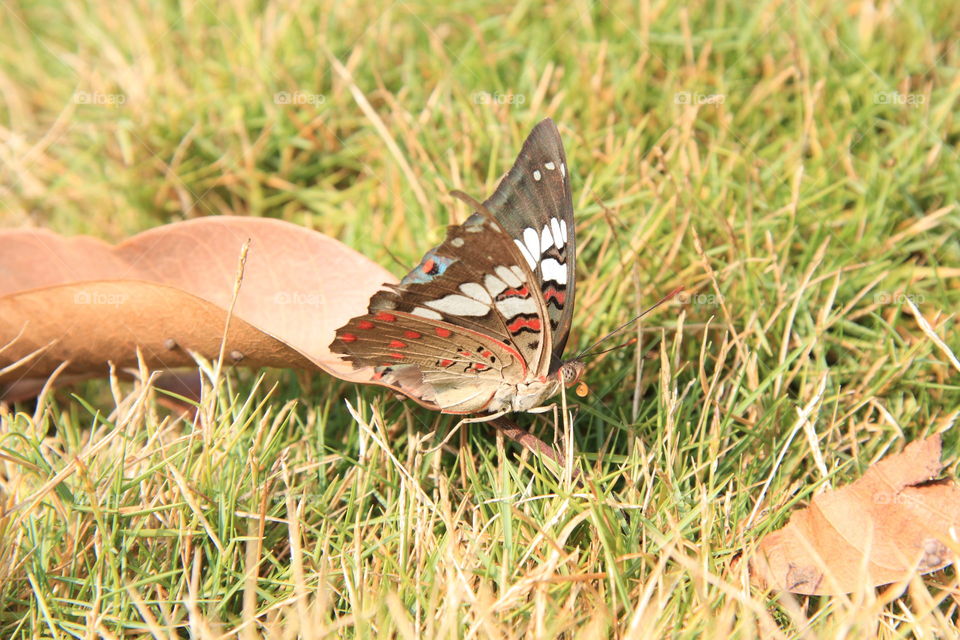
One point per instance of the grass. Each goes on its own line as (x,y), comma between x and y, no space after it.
(804,209)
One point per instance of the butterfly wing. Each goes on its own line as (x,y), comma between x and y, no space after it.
(465,321)
(534,204)
(457,369)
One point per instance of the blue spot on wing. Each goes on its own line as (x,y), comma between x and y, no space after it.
(431,266)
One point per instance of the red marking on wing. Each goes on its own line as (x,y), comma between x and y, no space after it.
(445,363)
(397,356)
(559,296)
(397,344)
(480,367)
(486,354)
(348,337)
(522,292)
(428,266)
(413,335)
(383,316)
(465,354)
(481,338)
(520,323)
(365,324)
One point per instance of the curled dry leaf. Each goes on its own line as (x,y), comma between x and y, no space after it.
(895,520)
(167,291)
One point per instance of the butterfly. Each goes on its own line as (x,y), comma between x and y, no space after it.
(480,325)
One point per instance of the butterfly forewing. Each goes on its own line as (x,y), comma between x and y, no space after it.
(534,204)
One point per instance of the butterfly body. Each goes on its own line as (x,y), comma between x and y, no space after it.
(480,324)
(525,395)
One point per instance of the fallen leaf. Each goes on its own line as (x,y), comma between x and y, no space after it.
(896,520)
(167,291)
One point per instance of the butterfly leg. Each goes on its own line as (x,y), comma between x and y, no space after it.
(463,421)
(547,407)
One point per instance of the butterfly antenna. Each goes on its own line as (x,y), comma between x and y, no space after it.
(585,353)
(614,348)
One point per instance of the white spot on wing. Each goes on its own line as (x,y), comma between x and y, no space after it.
(546,239)
(563,170)
(526,254)
(426,313)
(457,305)
(511,307)
(532,240)
(494,284)
(553,270)
(476,291)
(457,242)
(508,276)
(537,175)
(518,272)
(557,235)
(563,229)
(550,166)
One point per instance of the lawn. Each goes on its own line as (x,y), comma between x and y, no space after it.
(793,165)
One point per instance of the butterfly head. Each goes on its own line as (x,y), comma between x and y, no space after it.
(570,372)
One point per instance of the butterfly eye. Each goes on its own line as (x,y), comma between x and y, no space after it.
(570,372)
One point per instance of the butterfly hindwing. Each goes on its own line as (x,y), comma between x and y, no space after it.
(473,280)
(461,369)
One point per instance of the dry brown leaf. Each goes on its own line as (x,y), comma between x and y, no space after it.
(167,291)
(895,520)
